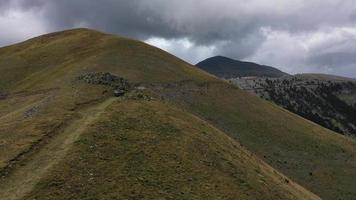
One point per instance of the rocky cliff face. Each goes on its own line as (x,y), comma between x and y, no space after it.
(329,103)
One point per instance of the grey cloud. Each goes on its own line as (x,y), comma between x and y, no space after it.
(203,22)
(20,4)
(4,6)
(334,60)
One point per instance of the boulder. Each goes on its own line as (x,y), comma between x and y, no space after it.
(119,93)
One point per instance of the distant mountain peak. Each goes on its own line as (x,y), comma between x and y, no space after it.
(225,67)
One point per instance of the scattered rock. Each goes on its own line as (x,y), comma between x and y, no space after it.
(119,92)
(105,78)
(36,108)
(141,88)
(120,85)
(32,111)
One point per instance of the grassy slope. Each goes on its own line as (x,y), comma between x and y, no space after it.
(288,143)
(319,159)
(52,62)
(26,174)
(150,150)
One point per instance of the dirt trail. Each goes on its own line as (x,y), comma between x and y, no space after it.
(21,181)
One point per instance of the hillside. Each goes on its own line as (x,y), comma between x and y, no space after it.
(177,132)
(126,162)
(324,99)
(224,67)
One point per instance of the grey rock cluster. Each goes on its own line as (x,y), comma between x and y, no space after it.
(119,85)
(32,111)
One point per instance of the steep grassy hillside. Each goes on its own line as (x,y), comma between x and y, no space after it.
(321,160)
(45,110)
(151,150)
(228,68)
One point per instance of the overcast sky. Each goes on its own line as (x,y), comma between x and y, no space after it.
(293,35)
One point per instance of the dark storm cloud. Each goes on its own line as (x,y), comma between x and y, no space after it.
(290,34)
(129,18)
(144,19)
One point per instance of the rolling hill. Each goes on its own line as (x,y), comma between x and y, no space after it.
(224,67)
(177,132)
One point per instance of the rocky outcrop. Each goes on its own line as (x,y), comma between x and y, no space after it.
(330,103)
(119,85)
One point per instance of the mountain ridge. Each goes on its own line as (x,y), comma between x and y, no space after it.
(225,67)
